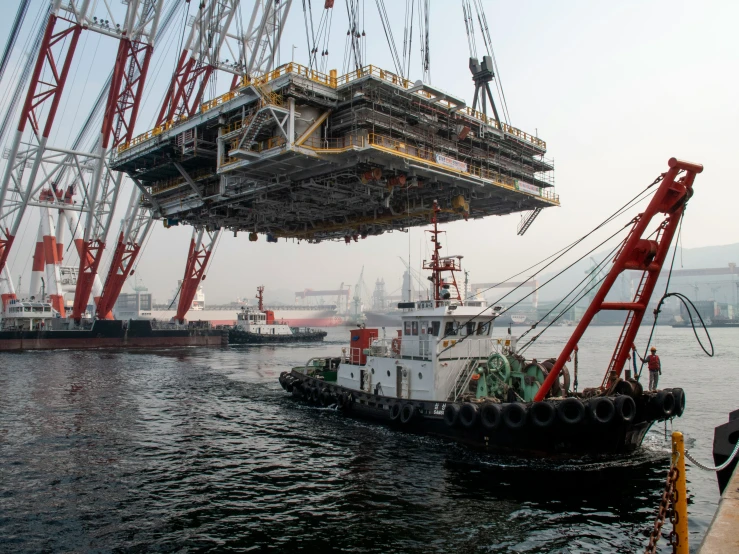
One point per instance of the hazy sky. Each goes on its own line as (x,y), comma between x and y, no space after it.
(615,88)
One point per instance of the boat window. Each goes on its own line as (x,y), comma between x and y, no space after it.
(407,328)
(483,328)
(449,329)
(435,326)
(471,327)
(414,328)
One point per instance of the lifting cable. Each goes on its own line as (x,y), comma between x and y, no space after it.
(410,6)
(22,73)
(469,26)
(389,37)
(485,31)
(557,255)
(580,296)
(14,30)
(585,286)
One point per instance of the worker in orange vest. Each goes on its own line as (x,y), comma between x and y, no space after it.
(655,368)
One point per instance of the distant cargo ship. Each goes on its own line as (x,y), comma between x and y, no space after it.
(139,306)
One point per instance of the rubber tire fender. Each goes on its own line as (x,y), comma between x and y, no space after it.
(297,392)
(542,414)
(663,403)
(601,410)
(315,395)
(395,411)
(679,395)
(490,416)
(514,415)
(625,387)
(282,378)
(451,415)
(468,415)
(571,411)
(408,413)
(326,397)
(625,408)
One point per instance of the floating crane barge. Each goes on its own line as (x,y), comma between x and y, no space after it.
(299,153)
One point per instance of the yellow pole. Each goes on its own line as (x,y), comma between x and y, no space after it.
(681,505)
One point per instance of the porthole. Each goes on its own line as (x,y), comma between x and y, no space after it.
(388,373)
(420,375)
(373,371)
(352,374)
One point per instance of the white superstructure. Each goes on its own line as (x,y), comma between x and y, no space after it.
(433,357)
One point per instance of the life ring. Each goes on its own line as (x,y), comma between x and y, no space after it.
(514,415)
(571,411)
(468,415)
(408,413)
(451,415)
(679,395)
(395,346)
(662,404)
(395,410)
(601,410)
(542,414)
(490,416)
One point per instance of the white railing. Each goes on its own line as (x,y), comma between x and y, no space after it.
(466,347)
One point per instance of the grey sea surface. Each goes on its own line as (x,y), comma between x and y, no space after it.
(200,450)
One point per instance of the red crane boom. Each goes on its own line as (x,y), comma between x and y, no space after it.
(637,254)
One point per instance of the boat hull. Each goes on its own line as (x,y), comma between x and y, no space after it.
(559,438)
(236,336)
(112,334)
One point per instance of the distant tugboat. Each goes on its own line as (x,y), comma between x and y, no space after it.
(259,327)
(444,375)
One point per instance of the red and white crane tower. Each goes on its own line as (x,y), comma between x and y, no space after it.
(29,149)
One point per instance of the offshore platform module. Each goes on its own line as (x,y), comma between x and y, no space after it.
(290,151)
(298,153)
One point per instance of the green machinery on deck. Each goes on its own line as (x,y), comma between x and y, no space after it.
(509,377)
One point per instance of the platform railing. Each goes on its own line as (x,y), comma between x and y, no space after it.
(331,82)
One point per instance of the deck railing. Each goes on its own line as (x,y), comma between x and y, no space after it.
(331,82)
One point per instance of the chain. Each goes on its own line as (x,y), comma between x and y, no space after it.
(669,496)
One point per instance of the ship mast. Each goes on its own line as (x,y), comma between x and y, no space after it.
(260,297)
(443,290)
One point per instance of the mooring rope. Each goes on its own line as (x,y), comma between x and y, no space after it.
(717,468)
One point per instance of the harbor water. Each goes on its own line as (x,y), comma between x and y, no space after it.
(196,450)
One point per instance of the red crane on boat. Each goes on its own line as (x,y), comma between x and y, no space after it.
(645,255)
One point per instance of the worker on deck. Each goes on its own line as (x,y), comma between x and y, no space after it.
(655,368)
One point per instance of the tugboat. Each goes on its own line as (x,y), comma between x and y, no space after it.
(259,327)
(445,375)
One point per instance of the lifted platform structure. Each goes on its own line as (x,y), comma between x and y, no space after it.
(300,154)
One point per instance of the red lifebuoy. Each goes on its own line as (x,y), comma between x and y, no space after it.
(395,346)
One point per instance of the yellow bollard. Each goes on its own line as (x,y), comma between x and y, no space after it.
(681,492)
